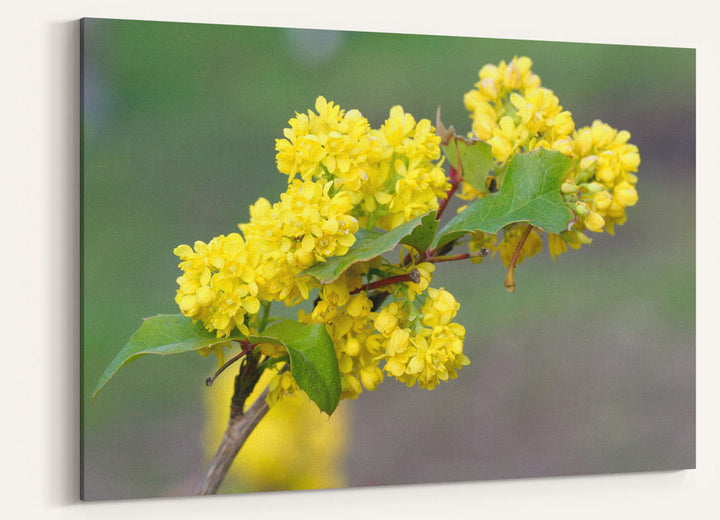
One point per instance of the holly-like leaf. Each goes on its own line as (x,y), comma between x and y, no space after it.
(368,245)
(422,236)
(312,355)
(530,193)
(472,159)
(163,334)
(313,362)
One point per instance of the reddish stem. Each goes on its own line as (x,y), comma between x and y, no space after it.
(510,277)
(454,183)
(412,276)
(247,347)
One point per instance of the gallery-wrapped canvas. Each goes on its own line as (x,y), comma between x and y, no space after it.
(315,259)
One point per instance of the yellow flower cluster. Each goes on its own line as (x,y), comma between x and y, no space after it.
(306,226)
(218,285)
(604,177)
(408,183)
(328,144)
(428,349)
(293,447)
(513,113)
(391,174)
(226,279)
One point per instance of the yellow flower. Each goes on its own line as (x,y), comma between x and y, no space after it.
(602,200)
(437,355)
(440,308)
(625,194)
(398,342)
(281,385)
(218,286)
(425,269)
(387,319)
(594,222)
(398,126)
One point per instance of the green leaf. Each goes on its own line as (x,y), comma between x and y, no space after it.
(530,193)
(161,335)
(368,245)
(313,362)
(422,236)
(476,160)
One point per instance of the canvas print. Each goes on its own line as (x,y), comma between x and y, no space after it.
(317,259)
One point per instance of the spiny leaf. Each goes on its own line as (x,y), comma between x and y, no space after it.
(471,158)
(161,335)
(530,193)
(313,362)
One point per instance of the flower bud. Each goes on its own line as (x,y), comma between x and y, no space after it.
(352,347)
(602,134)
(564,123)
(588,162)
(563,145)
(387,319)
(581,209)
(594,222)
(606,176)
(488,88)
(399,341)
(593,187)
(625,194)
(568,188)
(630,160)
(602,200)
(583,238)
(370,377)
(583,143)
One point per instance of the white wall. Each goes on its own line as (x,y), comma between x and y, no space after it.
(38,287)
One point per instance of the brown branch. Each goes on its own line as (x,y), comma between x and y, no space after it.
(237,432)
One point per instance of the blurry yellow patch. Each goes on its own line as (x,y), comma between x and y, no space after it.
(294,446)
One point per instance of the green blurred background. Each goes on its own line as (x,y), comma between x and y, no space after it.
(587,368)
